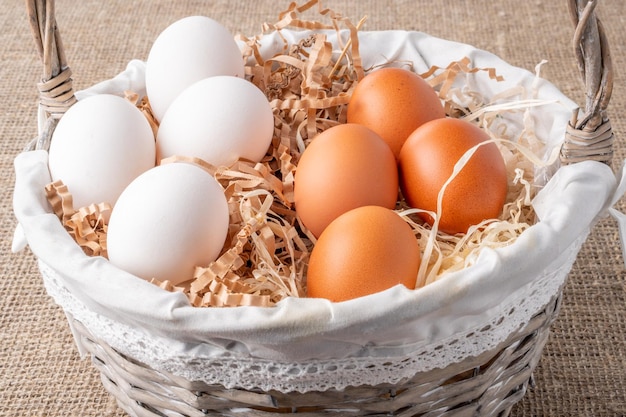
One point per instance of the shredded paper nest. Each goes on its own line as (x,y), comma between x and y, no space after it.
(309,86)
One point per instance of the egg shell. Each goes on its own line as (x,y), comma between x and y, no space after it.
(99,146)
(190,49)
(427,160)
(344,167)
(218,119)
(393,102)
(364,251)
(169,220)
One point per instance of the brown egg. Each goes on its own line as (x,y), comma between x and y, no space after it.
(427,160)
(364,251)
(344,167)
(393,102)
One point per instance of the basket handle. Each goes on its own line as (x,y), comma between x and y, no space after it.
(589,135)
(56,92)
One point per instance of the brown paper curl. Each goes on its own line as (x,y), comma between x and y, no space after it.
(87,225)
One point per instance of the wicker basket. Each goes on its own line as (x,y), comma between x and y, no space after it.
(487,383)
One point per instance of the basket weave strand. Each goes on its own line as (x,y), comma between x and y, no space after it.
(589,136)
(56,92)
(490,384)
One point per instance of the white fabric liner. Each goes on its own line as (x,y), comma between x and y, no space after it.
(312,344)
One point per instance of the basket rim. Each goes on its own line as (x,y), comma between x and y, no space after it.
(320,316)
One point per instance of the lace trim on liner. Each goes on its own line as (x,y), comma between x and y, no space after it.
(255,373)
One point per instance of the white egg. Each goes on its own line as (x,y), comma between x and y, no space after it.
(99,146)
(169,220)
(187,51)
(218,119)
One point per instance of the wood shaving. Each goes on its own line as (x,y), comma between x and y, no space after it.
(87,225)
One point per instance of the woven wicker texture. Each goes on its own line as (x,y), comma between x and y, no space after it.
(583,369)
(490,384)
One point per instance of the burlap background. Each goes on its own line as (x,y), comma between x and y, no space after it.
(583,370)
